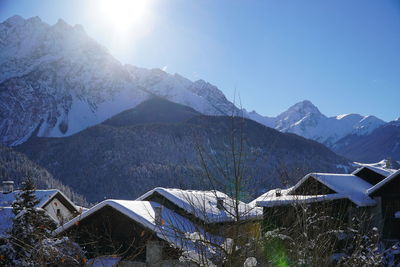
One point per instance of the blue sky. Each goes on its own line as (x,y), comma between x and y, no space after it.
(343,55)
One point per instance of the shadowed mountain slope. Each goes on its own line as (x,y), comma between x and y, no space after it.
(128,155)
(17,167)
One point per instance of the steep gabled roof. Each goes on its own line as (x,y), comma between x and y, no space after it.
(375,188)
(203,204)
(348,185)
(380,171)
(175,229)
(44,196)
(378,167)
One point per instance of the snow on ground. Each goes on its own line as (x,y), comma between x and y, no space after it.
(105,261)
(6,217)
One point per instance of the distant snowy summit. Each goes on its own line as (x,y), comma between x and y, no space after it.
(306,120)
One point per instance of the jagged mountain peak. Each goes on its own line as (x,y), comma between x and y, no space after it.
(62,24)
(14,20)
(305,119)
(304,107)
(300,114)
(60,80)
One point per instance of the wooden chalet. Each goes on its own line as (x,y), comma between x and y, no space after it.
(212,210)
(369,193)
(58,206)
(139,231)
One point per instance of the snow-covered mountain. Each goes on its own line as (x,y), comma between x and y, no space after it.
(56,80)
(382,143)
(306,120)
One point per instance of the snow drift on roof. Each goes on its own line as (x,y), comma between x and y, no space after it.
(203,204)
(297,199)
(269,195)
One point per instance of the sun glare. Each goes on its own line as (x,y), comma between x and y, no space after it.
(125,15)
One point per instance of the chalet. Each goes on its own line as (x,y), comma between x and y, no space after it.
(368,191)
(58,206)
(213,210)
(140,231)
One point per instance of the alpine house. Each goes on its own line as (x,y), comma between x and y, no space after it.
(369,192)
(213,210)
(140,231)
(58,206)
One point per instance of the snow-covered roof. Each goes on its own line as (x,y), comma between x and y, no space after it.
(176,230)
(348,185)
(378,167)
(297,199)
(203,204)
(6,199)
(383,182)
(269,195)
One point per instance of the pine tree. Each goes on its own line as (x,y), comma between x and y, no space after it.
(26,200)
(31,225)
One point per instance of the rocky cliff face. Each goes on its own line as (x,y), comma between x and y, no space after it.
(58,81)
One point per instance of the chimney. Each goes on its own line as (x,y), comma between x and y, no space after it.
(220,203)
(157,215)
(278,192)
(8,187)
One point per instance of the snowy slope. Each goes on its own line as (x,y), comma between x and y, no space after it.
(58,78)
(267,121)
(306,120)
(57,81)
(382,143)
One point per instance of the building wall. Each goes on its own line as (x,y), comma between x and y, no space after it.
(58,211)
(110,232)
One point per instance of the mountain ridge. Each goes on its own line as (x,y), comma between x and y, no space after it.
(123,159)
(305,119)
(58,77)
(382,143)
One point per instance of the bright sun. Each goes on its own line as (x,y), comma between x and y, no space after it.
(125,15)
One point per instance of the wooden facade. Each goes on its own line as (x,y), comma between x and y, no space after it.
(285,215)
(380,215)
(389,197)
(110,232)
(369,175)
